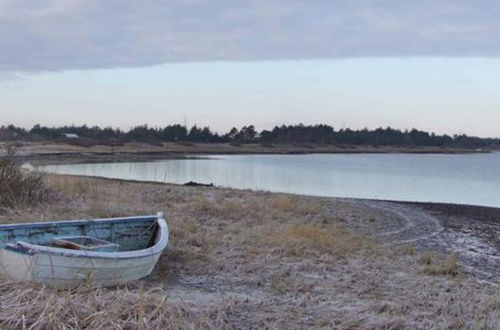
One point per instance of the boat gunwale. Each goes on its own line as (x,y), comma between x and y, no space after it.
(45,224)
(34,249)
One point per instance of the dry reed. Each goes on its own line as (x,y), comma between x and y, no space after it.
(304,239)
(19,188)
(34,307)
(242,259)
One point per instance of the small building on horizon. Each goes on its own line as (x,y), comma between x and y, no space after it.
(70,135)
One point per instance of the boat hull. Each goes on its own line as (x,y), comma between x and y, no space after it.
(64,272)
(64,268)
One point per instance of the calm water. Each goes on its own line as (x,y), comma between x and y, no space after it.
(466,179)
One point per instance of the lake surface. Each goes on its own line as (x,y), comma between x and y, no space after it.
(464,179)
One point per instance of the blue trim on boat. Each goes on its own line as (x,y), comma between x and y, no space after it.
(76,222)
(33,249)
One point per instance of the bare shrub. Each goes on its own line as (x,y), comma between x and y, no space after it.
(18,188)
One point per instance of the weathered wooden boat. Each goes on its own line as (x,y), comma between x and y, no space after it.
(99,252)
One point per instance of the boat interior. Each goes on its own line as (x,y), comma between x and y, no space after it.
(106,235)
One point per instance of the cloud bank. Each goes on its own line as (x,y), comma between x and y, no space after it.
(87,34)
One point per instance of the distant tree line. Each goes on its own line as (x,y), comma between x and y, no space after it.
(312,134)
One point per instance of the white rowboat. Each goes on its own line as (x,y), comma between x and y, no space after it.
(100,252)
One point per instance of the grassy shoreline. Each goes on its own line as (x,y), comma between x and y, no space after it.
(47,153)
(240,259)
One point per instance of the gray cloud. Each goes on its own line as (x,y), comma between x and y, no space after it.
(85,34)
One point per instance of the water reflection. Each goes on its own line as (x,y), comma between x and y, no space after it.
(466,179)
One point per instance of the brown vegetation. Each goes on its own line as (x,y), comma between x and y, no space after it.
(303,240)
(26,306)
(243,259)
(439,265)
(18,188)
(71,151)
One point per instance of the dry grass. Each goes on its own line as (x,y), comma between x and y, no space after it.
(19,189)
(439,265)
(294,205)
(410,249)
(40,308)
(217,148)
(305,239)
(74,188)
(243,259)
(227,208)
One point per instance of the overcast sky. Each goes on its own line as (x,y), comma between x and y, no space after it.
(427,64)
